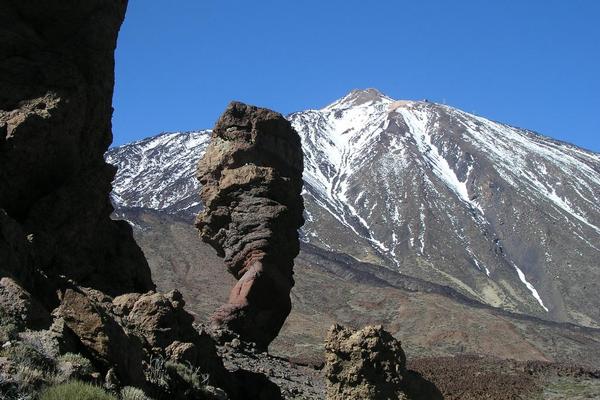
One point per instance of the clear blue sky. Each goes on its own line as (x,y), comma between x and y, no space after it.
(531,63)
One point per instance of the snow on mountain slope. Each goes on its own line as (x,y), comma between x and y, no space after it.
(504,215)
(158,172)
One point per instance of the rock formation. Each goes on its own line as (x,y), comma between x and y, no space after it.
(369,364)
(364,364)
(62,259)
(251,178)
(57,80)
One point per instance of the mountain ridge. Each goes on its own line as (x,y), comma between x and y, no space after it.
(357,181)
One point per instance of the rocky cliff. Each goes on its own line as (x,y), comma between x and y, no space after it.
(251,176)
(72,279)
(57,81)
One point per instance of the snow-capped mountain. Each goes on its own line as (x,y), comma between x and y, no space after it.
(158,173)
(504,215)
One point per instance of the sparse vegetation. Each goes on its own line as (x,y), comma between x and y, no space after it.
(26,354)
(156,373)
(133,393)
(571,388)
(72,366)
(191,375)
(75,390)
(8,331)
(28,369)
(8,326)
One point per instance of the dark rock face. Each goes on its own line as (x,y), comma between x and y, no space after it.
(57,80)
(251,178)
(59,249)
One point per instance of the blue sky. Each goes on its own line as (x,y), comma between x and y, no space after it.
(533,64)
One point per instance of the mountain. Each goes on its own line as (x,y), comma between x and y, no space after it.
(502,215)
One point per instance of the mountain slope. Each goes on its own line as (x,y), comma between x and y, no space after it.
(503,215)
(431,320)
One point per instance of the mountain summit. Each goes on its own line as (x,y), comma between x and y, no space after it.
(503,215)
(358,97)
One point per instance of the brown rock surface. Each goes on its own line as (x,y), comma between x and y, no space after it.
(251,179)
(87,314)
(59,248)
(20,307)
(364,364)
(160,318)
(57,80)
(369,364)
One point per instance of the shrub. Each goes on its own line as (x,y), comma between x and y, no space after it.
(28,378)
(8,331)
(192,376)
(75,390)
(10,325)
(72,366)
(132,393)
(156,372)
(29,356)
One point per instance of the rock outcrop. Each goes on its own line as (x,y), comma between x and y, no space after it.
(251,178)
(73,280)
(57,80)
(369,364)
(364,364)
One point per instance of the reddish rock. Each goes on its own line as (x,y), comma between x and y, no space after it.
(251,176)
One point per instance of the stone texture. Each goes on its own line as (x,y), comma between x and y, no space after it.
(87,314)
(57,76)
(59,248)
(251,176)
(366,364)
(18,304)
(160,319)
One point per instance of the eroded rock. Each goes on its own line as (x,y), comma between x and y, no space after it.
(364,365)
(57,63)
(20,307)
(251,176)
(88,315)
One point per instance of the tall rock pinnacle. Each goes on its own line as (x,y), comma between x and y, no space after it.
(251,178)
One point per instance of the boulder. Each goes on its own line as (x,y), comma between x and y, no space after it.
(159,318)
(364,365)
(18,306)
(87,314)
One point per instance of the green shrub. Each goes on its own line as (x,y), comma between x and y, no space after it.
(132,393)
(192,376)
(75,390)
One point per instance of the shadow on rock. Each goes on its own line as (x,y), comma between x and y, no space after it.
(419,388)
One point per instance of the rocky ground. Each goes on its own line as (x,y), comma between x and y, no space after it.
(460,377)
(296,381)
(332,287)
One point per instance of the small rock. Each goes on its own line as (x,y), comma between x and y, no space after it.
(216,393)
(111,382)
